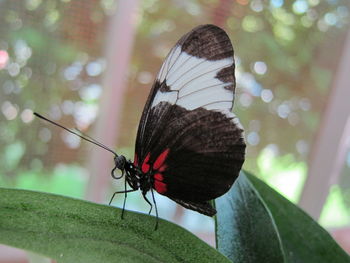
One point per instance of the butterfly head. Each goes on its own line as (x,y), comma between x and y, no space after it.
(128,169)
(120,162)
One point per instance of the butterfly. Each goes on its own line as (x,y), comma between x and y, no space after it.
(190,146)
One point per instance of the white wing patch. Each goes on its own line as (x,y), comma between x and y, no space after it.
(169,97)
(207,98)
(193,82)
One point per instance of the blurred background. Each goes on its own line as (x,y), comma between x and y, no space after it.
(90,64)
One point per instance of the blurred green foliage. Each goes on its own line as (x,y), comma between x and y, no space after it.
(49,71)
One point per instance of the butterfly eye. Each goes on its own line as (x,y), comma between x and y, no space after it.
(120,162)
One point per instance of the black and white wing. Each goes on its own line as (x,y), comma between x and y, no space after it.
(188,138)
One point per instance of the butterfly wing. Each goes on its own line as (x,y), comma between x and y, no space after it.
(188,139)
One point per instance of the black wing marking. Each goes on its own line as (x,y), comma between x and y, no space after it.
(204,208)
(206,150)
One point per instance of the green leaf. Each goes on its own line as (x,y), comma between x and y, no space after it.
(303,239)
(257,224)
(71,230)
(246,231)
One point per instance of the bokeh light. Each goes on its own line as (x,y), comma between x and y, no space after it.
(4,58)
(260,67)
(9,110)
(266,95)
(300,6)
(27,115)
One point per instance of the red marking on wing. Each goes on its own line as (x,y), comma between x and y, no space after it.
(136,161)
(160,160)
(158,176)
(145,166)
(163,168)
(160,187)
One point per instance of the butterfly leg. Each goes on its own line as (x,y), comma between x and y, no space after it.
(125,192)
(120,192)
(146,199)
(155,207)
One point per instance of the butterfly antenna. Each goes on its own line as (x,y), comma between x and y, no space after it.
(83,136)
(90,138)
